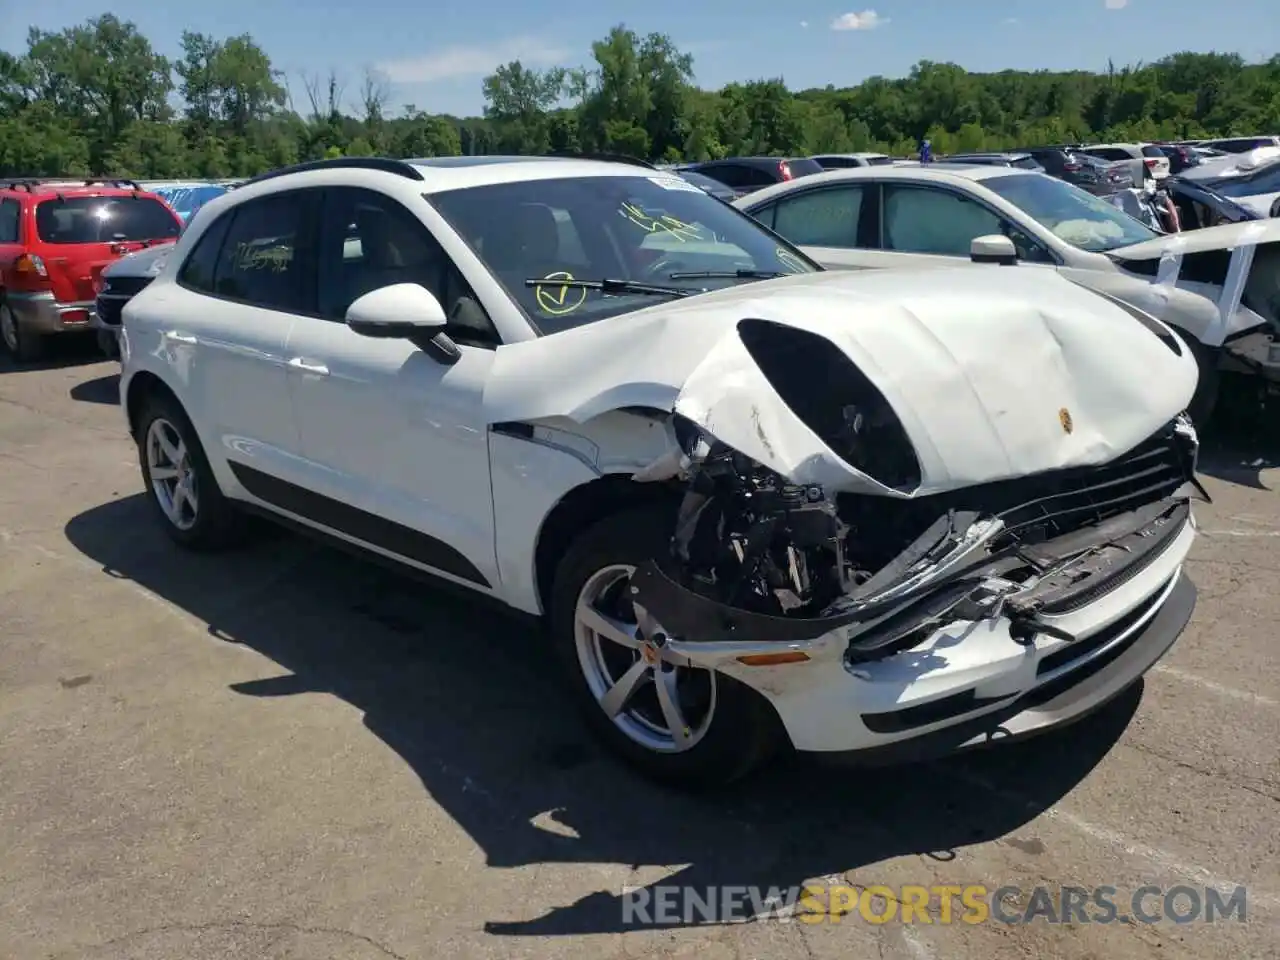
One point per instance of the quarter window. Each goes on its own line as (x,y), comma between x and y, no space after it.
(197,272)
(369,241)
(921,220)
(821,218)
(263,260)
(9,210)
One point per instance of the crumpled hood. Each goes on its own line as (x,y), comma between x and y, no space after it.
(1225,237)
(993,374)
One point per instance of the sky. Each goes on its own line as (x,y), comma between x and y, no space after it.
(435,54)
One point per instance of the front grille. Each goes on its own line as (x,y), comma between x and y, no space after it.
(115,293)
(1063,501)
(1034,508)
(124,286)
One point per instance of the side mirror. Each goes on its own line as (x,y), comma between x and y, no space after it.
(995,248)
(402,310)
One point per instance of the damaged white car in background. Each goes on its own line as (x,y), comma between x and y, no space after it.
(883,514)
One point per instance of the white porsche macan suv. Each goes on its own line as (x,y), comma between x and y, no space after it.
(885,514)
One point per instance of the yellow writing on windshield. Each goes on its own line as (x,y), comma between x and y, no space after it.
(684,232)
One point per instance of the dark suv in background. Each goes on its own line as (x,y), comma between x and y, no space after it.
(1093,174)
(747,174)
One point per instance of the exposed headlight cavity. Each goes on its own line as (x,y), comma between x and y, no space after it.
(834,399)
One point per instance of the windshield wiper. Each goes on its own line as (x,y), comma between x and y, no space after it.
(728,275)
(613,285)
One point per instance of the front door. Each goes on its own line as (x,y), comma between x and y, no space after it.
(394,440)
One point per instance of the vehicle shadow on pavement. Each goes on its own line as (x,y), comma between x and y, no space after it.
(70,350)
(104,390)
(1241,440)
(471,700)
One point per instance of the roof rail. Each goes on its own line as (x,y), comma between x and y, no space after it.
(383,164)
(21,183)
(607,157)
(112,182)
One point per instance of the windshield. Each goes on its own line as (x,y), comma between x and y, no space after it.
(637,229)
(1074,216)
(104,220)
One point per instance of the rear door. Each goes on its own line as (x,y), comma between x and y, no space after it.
(79,235)
(226,320)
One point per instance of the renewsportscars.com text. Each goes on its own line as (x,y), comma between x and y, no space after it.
(936,904)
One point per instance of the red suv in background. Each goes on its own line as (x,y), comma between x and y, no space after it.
(56,236)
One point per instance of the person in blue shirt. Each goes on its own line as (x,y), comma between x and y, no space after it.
(926,151)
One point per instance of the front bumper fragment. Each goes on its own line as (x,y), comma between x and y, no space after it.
(1069,698)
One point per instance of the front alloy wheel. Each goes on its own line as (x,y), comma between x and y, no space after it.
(659,700)
(677,722)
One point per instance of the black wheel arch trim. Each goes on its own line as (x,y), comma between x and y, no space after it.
(369,528)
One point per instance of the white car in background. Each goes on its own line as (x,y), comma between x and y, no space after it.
(755,502)
(1220,286)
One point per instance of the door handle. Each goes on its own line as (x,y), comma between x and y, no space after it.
(179,337)
(307,366)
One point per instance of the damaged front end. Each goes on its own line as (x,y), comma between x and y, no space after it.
(760,560)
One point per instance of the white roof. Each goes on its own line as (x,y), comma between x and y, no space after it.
(955,174)
(452,173)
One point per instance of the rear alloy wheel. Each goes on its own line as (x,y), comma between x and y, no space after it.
(22,345)
(677,722)
(180,484)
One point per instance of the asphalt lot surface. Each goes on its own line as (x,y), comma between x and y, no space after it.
(285,753)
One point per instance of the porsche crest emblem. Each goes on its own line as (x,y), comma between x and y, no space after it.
(1064,418)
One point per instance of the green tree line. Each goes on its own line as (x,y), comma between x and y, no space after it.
(97,99)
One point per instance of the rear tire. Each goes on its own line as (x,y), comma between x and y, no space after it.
(23,345)
(728,728)
(180,484)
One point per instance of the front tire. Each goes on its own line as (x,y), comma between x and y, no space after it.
(179,481)
(1205,400)
(23,345)
(677,723)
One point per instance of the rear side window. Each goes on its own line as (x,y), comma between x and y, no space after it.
(263,259)
(9,210)
(104,220)
(1153,152)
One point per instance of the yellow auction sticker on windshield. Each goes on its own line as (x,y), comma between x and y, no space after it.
(559,299)
(682,231)
(789,260)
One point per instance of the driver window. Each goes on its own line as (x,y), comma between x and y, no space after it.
(923,220)
(369,241)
